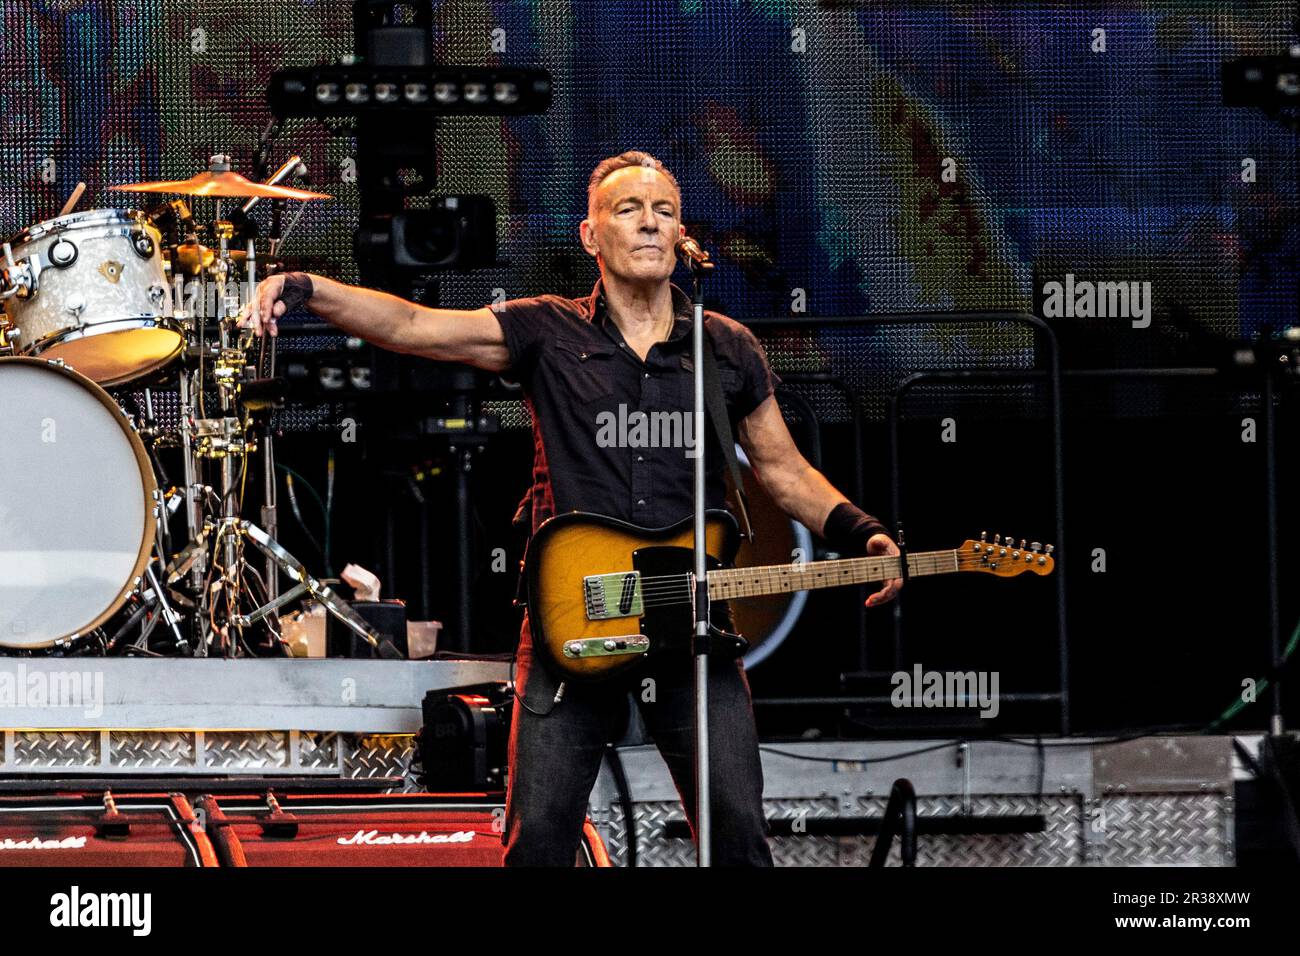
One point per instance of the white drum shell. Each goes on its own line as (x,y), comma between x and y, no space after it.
(108,313)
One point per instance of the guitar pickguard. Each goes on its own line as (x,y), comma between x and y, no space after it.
(667,622)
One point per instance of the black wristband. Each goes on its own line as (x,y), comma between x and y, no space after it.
(296,291)
(848,528)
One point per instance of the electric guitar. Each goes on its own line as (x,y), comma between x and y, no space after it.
(604,594)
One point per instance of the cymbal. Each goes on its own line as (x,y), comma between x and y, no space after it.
(220,184)
(192,258)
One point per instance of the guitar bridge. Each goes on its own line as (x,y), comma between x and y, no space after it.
(608,596)
(607,646)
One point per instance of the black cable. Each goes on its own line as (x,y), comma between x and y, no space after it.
(624,801)
(514,689)
(1042,772)
(1140,733)
(1247,757)
(1037,743)
(297,513)
(812,759)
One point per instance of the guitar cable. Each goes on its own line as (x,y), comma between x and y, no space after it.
(514,689)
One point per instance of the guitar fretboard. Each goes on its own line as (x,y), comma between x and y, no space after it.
(728,583)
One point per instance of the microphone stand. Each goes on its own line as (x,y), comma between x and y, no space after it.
(700,646)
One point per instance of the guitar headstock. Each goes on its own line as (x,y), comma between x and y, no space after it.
(1005,558)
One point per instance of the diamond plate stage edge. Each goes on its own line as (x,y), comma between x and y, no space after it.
(220,717)
(1154,801)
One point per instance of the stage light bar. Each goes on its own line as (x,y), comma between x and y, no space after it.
(349,90)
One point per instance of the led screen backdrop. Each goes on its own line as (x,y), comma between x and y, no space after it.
(868,157)
(873,158)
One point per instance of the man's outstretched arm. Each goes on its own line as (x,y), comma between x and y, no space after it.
(446,335)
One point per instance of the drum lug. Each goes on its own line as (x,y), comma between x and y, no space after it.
(76,305)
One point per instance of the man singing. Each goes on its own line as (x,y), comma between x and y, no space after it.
(628,343)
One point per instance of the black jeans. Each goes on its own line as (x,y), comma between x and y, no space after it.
(554,759)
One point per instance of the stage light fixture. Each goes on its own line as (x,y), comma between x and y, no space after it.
(327,93)
(353,89)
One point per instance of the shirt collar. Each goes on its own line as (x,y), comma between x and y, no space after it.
(683,310)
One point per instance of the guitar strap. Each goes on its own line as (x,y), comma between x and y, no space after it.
(716,404)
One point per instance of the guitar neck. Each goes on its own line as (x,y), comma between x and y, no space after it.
(728,583)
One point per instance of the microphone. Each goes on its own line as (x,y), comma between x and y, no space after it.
(690,252)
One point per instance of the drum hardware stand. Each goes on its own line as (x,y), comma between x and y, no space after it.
(8,333)
(305,584)
(192,557)
(20,280)
(154,596)
(266,370)
(226,439)
(170,617)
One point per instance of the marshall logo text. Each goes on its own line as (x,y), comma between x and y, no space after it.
(374,838)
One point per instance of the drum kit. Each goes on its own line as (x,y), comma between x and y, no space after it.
(94,302)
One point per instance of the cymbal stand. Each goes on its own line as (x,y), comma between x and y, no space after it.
(217,541)
(266,369)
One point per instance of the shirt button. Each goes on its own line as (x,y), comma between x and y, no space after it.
(640,457)
(640,502)
(646,375)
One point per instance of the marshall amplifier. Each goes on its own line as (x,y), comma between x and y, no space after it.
(99,829)
(401,829)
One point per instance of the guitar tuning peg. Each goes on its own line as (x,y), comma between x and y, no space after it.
(1022,544)
(984,537)
(997,539)
(1010,541)
(1035,546)
(1049,549)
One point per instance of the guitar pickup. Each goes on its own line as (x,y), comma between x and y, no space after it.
(608,596)
(607,646)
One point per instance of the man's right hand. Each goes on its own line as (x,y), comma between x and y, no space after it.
(273,297)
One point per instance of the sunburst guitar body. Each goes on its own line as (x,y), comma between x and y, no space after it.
(605,594)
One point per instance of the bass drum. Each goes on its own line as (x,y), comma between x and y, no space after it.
(768,620)
(77,517)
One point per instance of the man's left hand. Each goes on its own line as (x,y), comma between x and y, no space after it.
(883,544)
